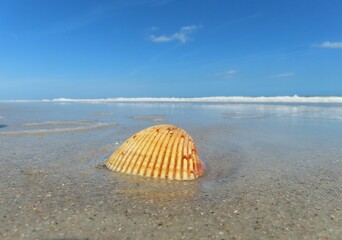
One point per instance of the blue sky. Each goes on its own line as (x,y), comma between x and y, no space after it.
(169,48)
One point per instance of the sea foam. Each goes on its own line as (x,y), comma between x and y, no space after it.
(218,99)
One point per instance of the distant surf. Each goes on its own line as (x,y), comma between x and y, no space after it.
(57,130)
(221,99)
(66,123)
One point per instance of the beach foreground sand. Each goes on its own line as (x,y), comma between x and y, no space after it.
(272,171)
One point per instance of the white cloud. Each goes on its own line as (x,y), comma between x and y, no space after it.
(153,29)
(183,35)
(231,72)
(330,45)
(283,75)
(228,74)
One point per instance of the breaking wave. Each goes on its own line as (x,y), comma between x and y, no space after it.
(276,99)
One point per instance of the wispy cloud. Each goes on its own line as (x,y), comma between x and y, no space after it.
(230,74)
(183,35)
(329,45)
(283,75)
(238,20)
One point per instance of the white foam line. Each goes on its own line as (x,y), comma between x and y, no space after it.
(56,130)
(82,122)
(277,99)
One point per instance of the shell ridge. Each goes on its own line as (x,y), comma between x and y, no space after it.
(144,153)
(167,158)
(116,156)
(175,169)
(147,154)
(179,173)
(160,170)
(150,152)
(163,148)
(191,160)
(186,161)
(144,144)
(176,154)
(132,153)
(112,161)
(127,152)
(194,163)
(188,158)
(122,158)
(140,141)
(155,154)
(172,157)
(166,164)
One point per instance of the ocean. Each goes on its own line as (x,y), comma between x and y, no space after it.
(273,169)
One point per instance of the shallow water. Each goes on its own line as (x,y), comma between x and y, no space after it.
(272,171)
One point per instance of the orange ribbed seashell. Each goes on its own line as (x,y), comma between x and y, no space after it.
(162,151)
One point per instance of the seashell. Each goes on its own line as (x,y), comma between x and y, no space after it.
(162,151)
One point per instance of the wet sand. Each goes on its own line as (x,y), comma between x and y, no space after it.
(272,171)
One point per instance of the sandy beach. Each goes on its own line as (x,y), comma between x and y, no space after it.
(273,171)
